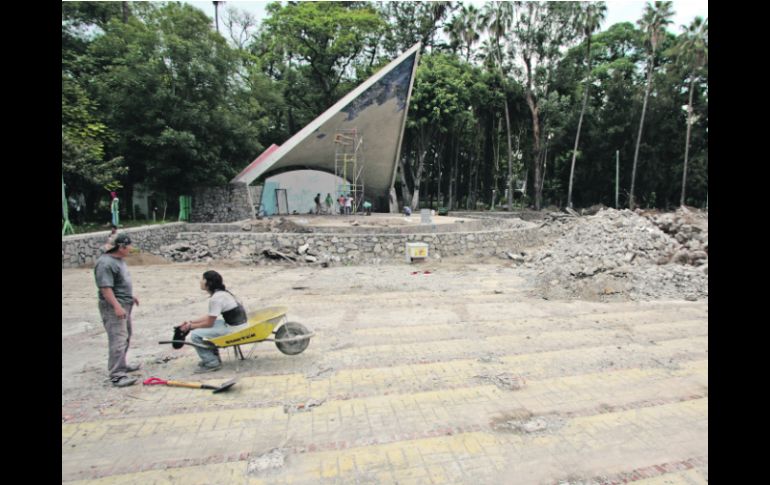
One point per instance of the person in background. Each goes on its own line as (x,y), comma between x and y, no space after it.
(341,202)
(329,202)
(115,209)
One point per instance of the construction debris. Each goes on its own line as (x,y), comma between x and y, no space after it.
(275,458)
(504,380)
(653,255)
(302,407)
(186,252)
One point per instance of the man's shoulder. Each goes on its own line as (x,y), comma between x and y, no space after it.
(105,260)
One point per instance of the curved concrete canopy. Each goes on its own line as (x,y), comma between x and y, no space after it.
(377,109)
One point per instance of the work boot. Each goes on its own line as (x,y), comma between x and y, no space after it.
(123,381)
(202,368)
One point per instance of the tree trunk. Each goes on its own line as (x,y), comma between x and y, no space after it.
(687,142)
(417,176)
(453,175)
(439,161)
(510,161)
(631,201)
(536,148)
(496,172)
(580,124)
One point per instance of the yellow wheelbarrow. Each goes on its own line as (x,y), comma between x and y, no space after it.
(291,338)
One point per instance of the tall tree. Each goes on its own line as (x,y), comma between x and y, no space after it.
(412,22)
(693,51)
(325,42)
(240,25)
(588,19)
(465,28)
(441,92)
(499,18)
(541,29)
(654,22)
(165,84)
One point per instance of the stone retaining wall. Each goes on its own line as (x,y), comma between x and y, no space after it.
(355,248)
(83,249)
(364,248)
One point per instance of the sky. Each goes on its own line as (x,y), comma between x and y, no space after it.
(617,11)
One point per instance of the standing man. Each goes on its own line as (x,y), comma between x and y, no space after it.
(317,201)
(116,300)
(329,202)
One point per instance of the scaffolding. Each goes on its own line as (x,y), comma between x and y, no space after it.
(349,165)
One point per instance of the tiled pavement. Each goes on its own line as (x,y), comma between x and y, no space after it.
(602,393)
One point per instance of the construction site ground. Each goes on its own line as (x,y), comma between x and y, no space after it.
(451,371)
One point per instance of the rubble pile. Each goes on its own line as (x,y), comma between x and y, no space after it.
(300,255)
(183,251)
(622,253)
(277,224)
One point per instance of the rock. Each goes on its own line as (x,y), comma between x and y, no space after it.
(303,249)
(310,259)
(271,460)
(680,257)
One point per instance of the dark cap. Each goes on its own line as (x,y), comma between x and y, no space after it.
(121,239)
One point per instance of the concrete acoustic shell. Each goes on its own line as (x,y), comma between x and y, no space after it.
(377,109)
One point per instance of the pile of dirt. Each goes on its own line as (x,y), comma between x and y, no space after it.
(623,253)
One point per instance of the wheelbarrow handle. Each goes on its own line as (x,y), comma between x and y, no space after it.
(206,347)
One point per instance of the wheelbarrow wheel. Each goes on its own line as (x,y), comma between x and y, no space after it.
(288,330)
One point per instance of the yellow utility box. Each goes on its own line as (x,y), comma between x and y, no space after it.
(416,250)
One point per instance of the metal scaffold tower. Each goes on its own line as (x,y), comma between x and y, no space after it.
(349,165)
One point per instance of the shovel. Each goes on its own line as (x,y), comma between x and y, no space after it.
(192,385)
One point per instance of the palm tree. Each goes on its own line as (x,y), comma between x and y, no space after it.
(589,18)
(653,21)
(693,50)
(464,28)
(498,17)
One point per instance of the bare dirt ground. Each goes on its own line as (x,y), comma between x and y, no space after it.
(451,371)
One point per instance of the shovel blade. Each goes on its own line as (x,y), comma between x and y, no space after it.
(227,385)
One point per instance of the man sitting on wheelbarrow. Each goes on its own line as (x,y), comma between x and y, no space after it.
(208,326)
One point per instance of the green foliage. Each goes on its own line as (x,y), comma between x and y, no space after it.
(152,94)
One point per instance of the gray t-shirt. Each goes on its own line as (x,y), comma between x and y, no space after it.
(113,273)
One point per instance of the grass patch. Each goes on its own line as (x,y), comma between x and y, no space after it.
(99,227)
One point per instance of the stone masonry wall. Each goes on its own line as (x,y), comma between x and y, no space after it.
(353,248)
(364,248)
(221,204)
(83,249)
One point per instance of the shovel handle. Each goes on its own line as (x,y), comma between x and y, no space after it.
(191,385)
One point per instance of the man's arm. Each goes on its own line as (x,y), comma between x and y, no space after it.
(109,295)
